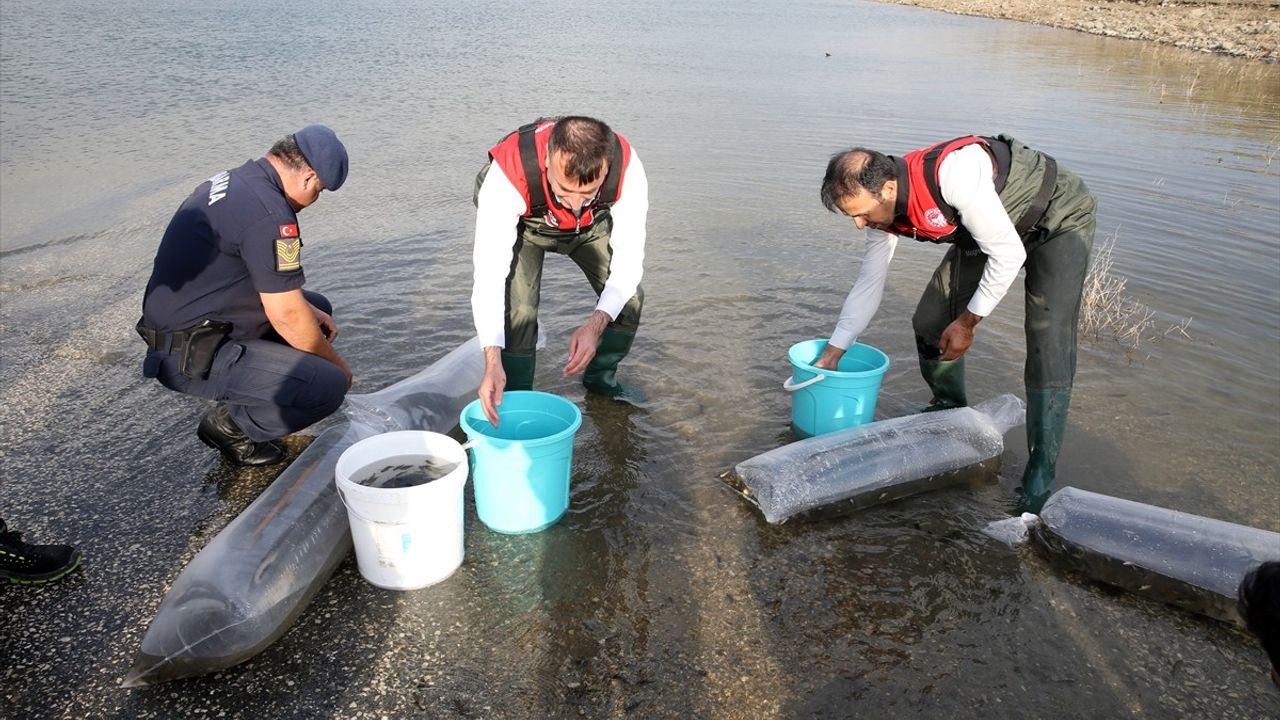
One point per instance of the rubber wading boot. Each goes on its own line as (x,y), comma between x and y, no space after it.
(946,380)
(601,375)
(220,432)
(519,369)
(1046,423)
(28,564)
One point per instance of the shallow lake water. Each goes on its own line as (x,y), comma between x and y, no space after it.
(661,593)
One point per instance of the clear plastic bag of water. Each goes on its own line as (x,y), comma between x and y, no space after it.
(1186,560)
(877,462)
(244,589)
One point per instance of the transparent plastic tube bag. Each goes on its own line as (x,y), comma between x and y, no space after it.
(877,462)
(1186,560)
(245,588)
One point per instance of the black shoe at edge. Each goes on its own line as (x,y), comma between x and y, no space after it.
(28,564)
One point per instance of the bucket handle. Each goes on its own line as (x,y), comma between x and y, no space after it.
(786,384)
(367,520)
(343,497)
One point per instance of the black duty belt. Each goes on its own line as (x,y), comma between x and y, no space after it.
(175,341)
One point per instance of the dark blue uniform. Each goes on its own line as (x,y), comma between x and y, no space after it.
(234,237)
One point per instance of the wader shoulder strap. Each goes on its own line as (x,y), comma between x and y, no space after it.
(1041,201)
(933,156)
(532,170)
(1002,156)
(533,173)
(1002,153)
(931,181)
(609,190)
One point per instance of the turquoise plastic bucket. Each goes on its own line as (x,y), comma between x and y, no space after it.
(824,401)
(520,469)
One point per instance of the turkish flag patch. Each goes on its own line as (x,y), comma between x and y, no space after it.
(289,231)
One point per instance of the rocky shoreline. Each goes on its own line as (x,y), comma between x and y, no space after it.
(1242,28)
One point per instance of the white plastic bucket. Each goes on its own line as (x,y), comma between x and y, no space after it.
(408,537)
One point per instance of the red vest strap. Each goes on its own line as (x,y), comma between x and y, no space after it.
(522,156)
(929,217)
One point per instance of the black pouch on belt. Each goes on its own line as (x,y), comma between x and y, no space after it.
(202,344)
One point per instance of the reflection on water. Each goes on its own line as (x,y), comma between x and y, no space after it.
(661,592)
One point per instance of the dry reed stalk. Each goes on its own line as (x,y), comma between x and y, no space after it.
(1105,309)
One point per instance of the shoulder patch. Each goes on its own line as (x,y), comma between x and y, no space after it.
(289,231)
(288,254)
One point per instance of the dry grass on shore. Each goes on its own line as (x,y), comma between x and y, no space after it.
(1240,28)
(1107,312)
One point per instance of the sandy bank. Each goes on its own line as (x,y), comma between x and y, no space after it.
(1243,28)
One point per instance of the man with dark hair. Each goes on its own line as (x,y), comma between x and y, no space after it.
(225,317)
(569,186)
(1001,206)
(1260,608)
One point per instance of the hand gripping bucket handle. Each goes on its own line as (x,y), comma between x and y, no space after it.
(786,384)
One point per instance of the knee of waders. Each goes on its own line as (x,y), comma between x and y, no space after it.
(628,319)
(928,327)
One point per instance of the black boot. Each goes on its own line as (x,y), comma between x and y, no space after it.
(601,375)
(219,431)
(519,368)
(28,564)
(946,380)
(1046,424)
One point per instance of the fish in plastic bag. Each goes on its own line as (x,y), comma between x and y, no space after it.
(878,462)
(245,588)
(1186,560)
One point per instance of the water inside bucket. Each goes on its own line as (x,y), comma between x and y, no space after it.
(403,471)
(523,425)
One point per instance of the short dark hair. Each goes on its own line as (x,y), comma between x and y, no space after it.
(852,170)
(1259,605)
(586,144)
(287,150)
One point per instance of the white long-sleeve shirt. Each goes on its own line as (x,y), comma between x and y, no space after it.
(499,208)
(967,183)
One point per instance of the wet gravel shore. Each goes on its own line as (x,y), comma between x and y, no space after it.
(1242,28)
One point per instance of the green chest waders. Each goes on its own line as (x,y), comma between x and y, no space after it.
(1058,246)
(589,249)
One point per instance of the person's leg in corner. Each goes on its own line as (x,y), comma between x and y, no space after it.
(30,564)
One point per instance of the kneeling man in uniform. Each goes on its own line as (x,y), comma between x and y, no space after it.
(225,316)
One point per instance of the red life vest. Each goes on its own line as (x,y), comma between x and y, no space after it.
(927,216)
(523,154)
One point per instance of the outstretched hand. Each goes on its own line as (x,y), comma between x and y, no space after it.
(491,385)
(584,341)
(958,336)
